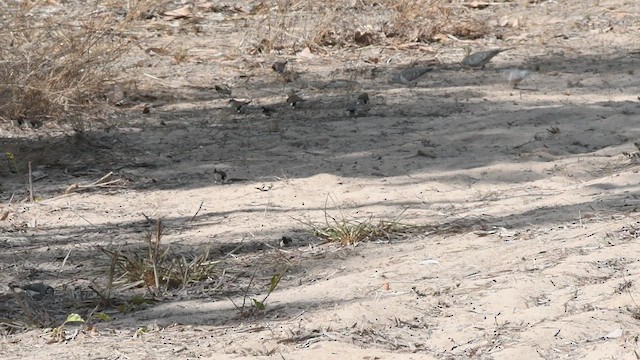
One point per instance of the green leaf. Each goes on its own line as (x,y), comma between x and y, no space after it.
(102,316)
(73,318)
(274,282)
(258,304)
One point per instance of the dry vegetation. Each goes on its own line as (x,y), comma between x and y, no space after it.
(67,65)
(60,64)
(337,24)
(72,64)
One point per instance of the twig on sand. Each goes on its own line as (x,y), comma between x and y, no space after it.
(30,184)
(100,183)
(197,211)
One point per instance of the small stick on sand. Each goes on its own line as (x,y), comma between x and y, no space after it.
(30,184)
(197,211)
(97,183)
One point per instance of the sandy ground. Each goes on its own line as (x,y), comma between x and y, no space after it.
(527,198)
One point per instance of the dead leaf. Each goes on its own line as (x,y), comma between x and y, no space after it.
(306,53)
(442,38)
(372,60)
(72,188)
(157,51)
(614,334)
(477,5)
(179,13)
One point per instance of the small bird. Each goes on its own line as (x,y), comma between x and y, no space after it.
(357,109)
(515,76)
(219,175)
(238,104)
(363,99)
(37,291)
(481,58)
(223,89)
(352,108)
(280,66)
(294,99)
(285,241)
(268,110)
(411,76)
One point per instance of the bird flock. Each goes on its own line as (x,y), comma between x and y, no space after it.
(409,76)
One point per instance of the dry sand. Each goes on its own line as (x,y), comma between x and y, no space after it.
(528,197)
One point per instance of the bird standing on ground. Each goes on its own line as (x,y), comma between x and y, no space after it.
(358,108)
(219,175)
(223,89)
(37,291)
(280,66)
(268,110)
(481,58)
(515,76)
(238,104)
(363,99)
(411,76)
(294,100)
(352,108)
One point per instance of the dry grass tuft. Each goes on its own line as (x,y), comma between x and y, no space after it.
(158,268)
(350,231)
(342,23)
(56,60)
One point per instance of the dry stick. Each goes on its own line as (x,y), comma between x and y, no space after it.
(196,214)
(112,270)
(244,297)
(220,279)
(97,183)
(100,295)
(155,254)
(130,286)
(83,218)
(521,145)
(102,178)
(64,261)
(629,292)
(30,184)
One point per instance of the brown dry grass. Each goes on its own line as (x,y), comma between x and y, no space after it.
(57,62)
(341,23)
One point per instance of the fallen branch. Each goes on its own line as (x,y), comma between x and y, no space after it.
(100,183)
